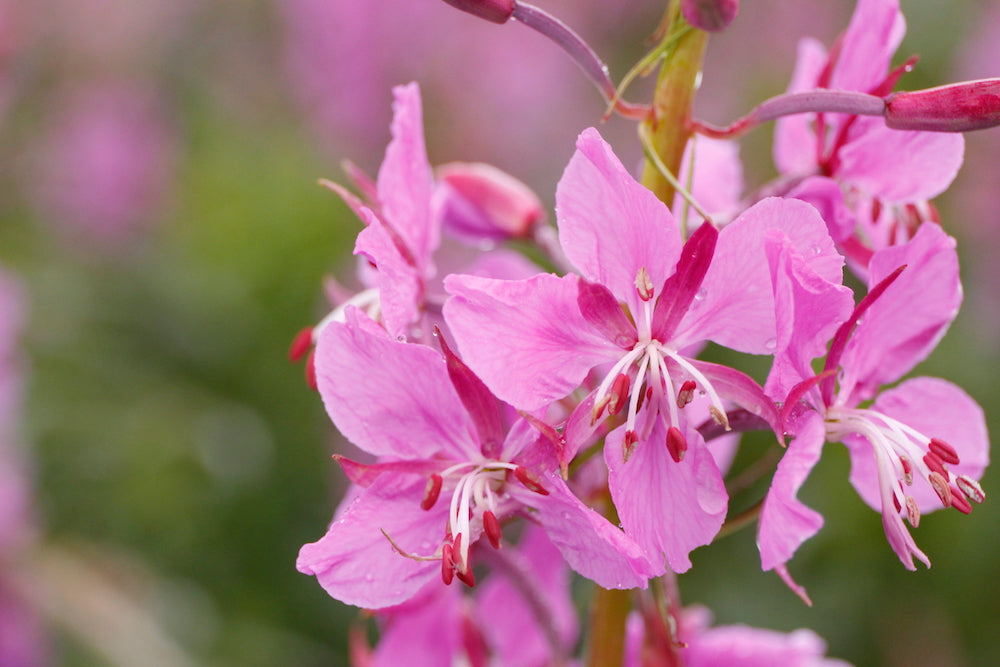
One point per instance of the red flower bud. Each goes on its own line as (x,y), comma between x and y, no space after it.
(710,15)
(957,107)
(478,202)
(497,11)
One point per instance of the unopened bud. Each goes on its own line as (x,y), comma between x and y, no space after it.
(480,202)
(710,15)
(957,107)
(497,11)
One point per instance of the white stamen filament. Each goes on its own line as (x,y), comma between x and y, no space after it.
(702,382)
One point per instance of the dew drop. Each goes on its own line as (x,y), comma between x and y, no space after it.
(701,294)
(400,338)
(815,250)
(771,344)
(369,576)
(565,516)
(425,546)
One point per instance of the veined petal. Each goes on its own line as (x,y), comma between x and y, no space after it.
(904,324)
(872,37)
(899,166)
(938,409)
(735,305)
(610,225)
(588,542)
(356,564)
(669,508)
(785,523)
(391,399)
(405,179)
(400,285)
(808,311)
(741,389)
(681,288)
(526,339)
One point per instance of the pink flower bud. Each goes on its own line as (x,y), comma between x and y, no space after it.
(479,202)
(710,15)
(497,11)
(957,107)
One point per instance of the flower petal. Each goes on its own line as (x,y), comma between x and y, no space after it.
(526,339)
(669,508)
(610,226)
(392,399)
(356,564)
(795,144)
(400,286)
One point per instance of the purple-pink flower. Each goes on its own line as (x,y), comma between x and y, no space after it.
(915,447)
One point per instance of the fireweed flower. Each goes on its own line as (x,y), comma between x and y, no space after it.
(447,472)
(642,298)
(872,183)
(916,447)
(404,211)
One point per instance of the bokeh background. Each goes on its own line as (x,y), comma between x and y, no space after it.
(160,213)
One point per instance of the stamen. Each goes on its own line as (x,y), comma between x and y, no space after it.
(912,511)
(491,526)
(904,461)
(676,444)
(311,371)
(959,502)
(686,393)
(716,409)
(431,491)
(970,488)
(447,563)
(941,487)
(300,344)
(644,285)
(944,451)
(619,394)
(935,464)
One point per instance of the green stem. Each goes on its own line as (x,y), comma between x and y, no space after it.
(607,619)
(669,125)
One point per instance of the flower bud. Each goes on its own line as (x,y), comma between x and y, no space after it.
(710,15)
(478,202)
(497,11)
(957,107)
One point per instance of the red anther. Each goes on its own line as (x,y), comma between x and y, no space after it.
(944,451)
(311,371)
(447,563)
(497,11)
(466,577)
(644,285)
(619,393)
(912,511)
(959,502)
(970,488)
(491,526)
(936,464)
(940,484)
(676,444)
(895,503)
(686,393)
(300,344)
(431,491)
(599,408)
(628,445)
(907,469)
(530,481)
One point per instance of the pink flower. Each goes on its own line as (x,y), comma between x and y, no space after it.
(438,433)
(871,182)
(536,341)
(920,445)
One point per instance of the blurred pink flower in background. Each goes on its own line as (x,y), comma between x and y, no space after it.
(516,92)
(101,169)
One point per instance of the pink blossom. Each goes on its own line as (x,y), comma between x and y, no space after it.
(873,183)
(920,445)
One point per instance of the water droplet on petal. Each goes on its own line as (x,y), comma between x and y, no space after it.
(400,338)
(369,576)
(701,294)
(771,343)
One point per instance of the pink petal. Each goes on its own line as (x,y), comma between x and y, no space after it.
(405,180)
(588,542)
(785,523)
(391,399)
(808,308)
(669,508)
(938,409)
(356,564)
(827,196)
(907,321)
(423,632)
(735,306)
(899,166)
(756,647)
(526,338)
(400,286)
(872,37)
(610,226)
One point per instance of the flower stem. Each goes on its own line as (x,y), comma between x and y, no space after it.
(671,113)
(607,619)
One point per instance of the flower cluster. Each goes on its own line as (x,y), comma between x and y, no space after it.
(521,418)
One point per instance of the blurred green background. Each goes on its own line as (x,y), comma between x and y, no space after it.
(178,457)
